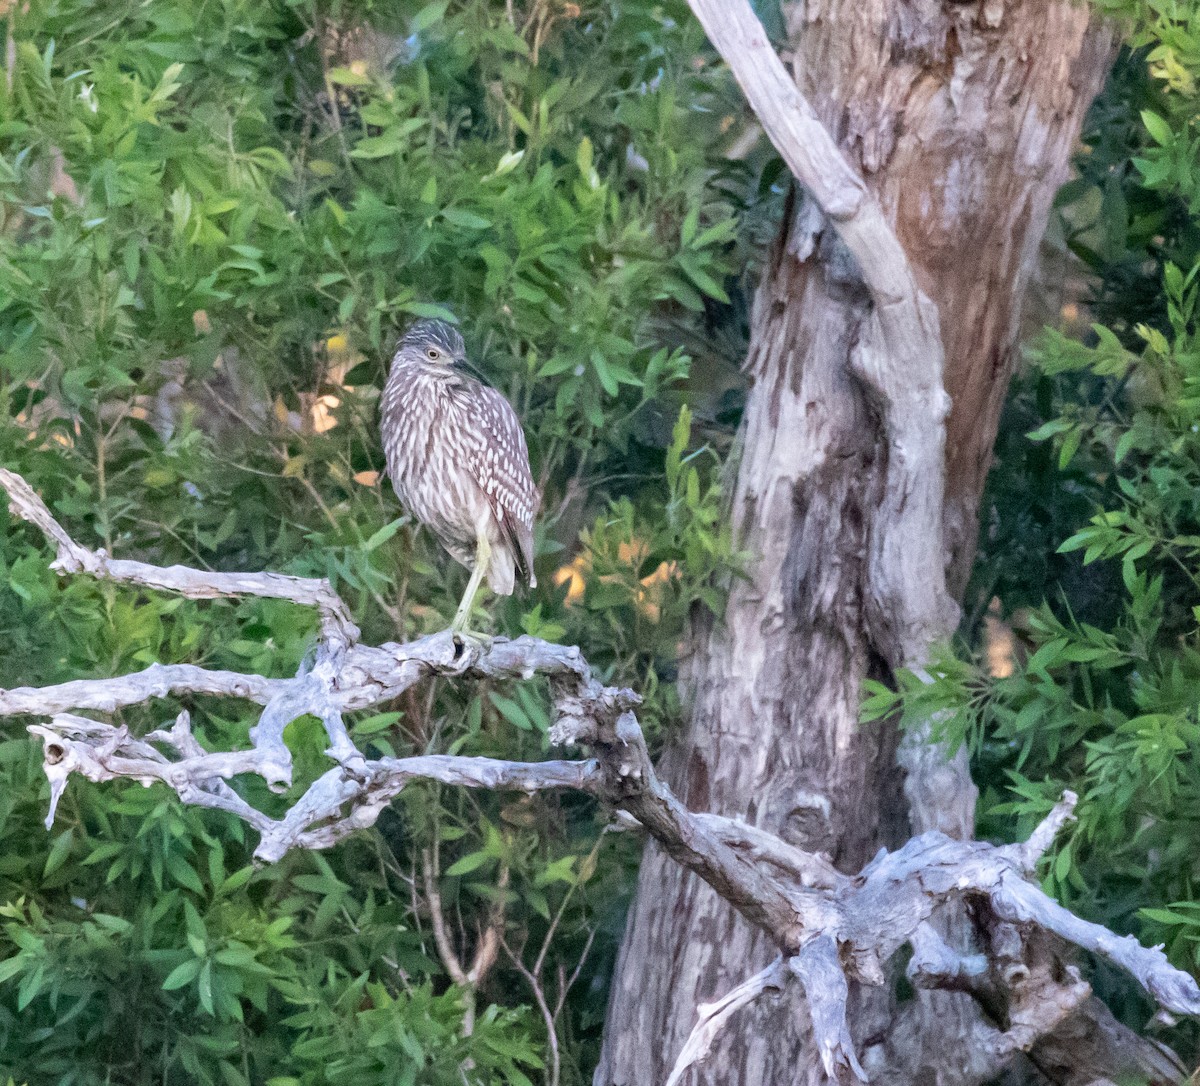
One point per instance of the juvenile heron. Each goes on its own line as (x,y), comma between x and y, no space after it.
(458,461)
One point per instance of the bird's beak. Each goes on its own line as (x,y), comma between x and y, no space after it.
(465,364)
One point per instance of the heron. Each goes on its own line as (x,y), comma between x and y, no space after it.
(458,461)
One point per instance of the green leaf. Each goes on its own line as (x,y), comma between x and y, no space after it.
(583,157)
(183,872)
(690,223)
(461,217)
(607,380)
(717,234)
(380,722)
(703,280)
(59,852)
(511,711)
(1165,916)
(1070,446)
(1048,655)
(379,538)
(182,974)
(429,15)
(561,870)
(346,78)
(204,987)
(1159,129)
(391,142)
(471,862)
(1062,864)
(237,880)
(1124,445)
(508,162)
(428,309)
(1049,429)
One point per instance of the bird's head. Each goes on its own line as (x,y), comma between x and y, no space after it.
(432,344)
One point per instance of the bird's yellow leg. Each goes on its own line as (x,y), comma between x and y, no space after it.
(483,557)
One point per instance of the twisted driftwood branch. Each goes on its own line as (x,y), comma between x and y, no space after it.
(830,927)
(337,627)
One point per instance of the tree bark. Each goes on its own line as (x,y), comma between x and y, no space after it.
(962,118)
(830,928)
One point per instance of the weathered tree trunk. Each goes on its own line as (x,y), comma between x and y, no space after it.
(962,118)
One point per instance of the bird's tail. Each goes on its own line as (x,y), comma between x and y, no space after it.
(519,539)
(502,571)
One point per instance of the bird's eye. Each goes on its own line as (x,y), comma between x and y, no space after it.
(432,352)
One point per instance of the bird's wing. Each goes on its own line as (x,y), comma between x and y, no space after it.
(499,462)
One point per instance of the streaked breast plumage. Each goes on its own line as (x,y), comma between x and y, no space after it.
(457,455)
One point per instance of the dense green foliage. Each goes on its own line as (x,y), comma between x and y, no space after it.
(1091,541)
(214,219)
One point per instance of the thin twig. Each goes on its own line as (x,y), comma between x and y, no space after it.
(539,997)
(437,918)
(565,986)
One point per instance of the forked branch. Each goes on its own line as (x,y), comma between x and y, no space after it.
(830,928)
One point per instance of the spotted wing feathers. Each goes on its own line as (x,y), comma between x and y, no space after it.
(498,460)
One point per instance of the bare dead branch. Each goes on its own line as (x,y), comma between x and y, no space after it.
(829,927)
(157,681)
(566,983)
(1016,899)
(337,627)
(809,869)
(320,818)
(488,947)
(1094,1046)
(437,919)
(549,1018)
(490,938)
(1027,853)
(820,971)
(1039,1004)
(711,1017)
(100,752)
(936,965)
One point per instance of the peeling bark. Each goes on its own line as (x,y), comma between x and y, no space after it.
(961,118)
(831,929)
